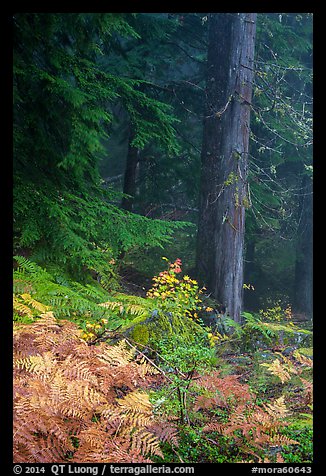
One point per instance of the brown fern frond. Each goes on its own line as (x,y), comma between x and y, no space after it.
(205,402)
(308,391)
(64,388)
(146,368)
(212,427)
(136,401)
(281,440)
(165,432)
(94,436)
(146,443)
(76,369)
(41,365)
(228,388)
(302,359)
(117,355)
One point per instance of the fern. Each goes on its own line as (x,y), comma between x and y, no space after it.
(231,412)
(283,372)
(67,402)
(127,306)
(277,409)
(62,213)
(256,325)
(69,299)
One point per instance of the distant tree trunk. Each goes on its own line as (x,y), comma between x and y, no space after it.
(223,195)
(130,175)
(251,274)
(303,282)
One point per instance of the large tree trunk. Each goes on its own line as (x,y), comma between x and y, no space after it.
(224,157)
(303,282)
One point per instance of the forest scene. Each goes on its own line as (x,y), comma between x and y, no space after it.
(162,238)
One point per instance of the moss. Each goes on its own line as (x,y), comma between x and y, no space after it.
(140,334)
(150,330)
(290,334)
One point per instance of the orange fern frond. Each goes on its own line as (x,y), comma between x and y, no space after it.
(64,388)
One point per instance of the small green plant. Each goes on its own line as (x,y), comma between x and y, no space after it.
(304,449)
(182,361)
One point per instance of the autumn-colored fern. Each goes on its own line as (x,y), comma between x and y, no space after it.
(80,403)
(254,429)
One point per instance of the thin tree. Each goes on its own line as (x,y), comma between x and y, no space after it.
(129,184)
(224,193)
(303,283)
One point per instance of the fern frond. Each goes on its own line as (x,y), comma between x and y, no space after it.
(212,427)
(146,368)
(136,402)
(125,307)
(22,308)
(282,371)
(166,432)
(282,440)
(33,303)
(302,359)
(41,365)
(146,443)
(64,388)
(277,409)
(116,355)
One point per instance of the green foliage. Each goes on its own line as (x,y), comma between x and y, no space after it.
(303,453)
(83,230)
(195,447)
(258,333)
(66,298)
(187,357)
(63,102)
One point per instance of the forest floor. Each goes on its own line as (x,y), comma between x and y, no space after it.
(169,387)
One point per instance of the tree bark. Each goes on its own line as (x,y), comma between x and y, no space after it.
(130,175)
(223,195)
(303,282)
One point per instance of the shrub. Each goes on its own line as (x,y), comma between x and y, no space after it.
(177,295)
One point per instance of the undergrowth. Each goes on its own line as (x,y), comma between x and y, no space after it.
(86,391)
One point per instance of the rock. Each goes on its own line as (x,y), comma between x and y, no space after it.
(151,329)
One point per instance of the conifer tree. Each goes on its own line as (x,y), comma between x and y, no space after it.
(225,156)
(63,100)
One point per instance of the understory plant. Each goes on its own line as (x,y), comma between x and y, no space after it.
(81,403)
(179,295)
(87,393)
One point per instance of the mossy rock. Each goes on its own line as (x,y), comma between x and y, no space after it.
(150,330)
(140,334)
(268,333)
